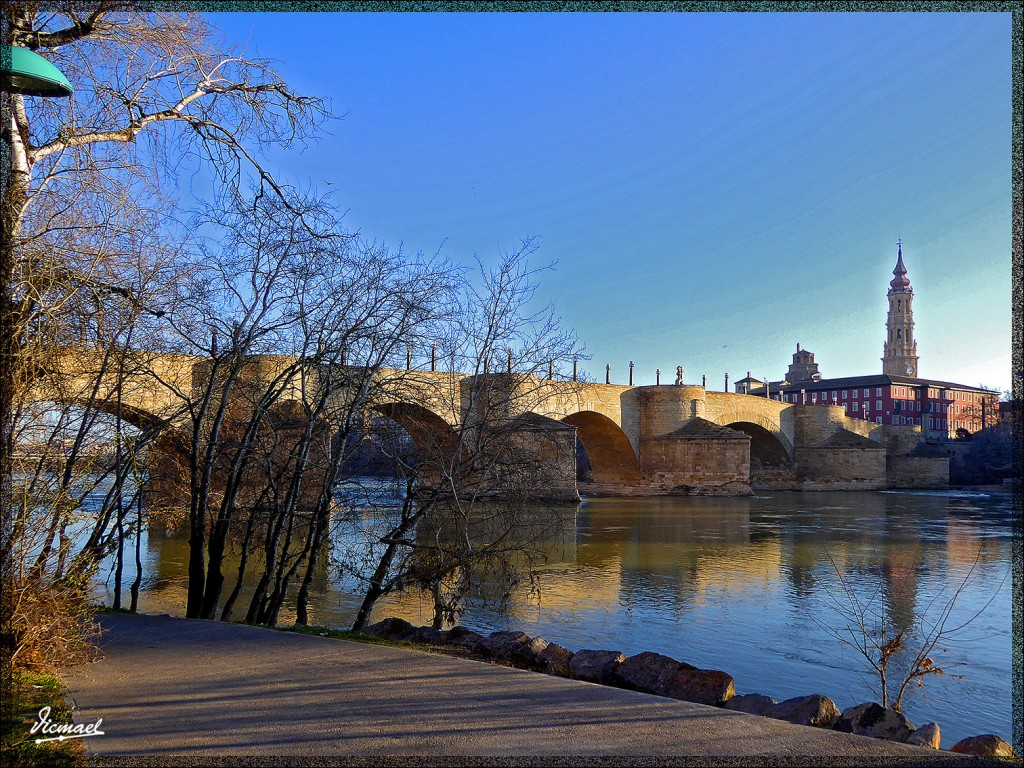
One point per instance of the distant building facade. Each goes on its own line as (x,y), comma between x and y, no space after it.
(897,396)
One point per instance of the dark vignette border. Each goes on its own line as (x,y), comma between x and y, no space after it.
(1015,7)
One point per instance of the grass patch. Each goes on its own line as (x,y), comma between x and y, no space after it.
(27,693)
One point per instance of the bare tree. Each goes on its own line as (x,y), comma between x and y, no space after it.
(462,509)
(80,466)
(88,220)
(133,72)
(277,307)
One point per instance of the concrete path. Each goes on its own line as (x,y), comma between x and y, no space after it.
(204,688)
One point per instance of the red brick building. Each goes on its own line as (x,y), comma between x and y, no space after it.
(897,396)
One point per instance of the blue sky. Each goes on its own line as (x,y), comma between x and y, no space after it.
(714,188)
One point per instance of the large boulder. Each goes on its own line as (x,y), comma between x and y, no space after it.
(427,635)
(817,710)
(987,745)
(390,629)
(664,676)
(527,655)
(751,703)
(501,646)
(463,637)
(926,736)
(874,720)
(703,686)
(595,666)
(648,672)
(554,660)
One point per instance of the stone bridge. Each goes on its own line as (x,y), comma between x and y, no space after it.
(639,440)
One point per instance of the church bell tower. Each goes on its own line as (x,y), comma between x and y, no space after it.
(899,352)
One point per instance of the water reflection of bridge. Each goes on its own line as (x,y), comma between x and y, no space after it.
(709,548)
(709,552)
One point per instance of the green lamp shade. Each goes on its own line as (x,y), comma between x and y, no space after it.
(30,74)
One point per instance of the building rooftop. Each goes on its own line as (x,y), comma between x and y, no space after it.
(844,438)
(698,427)
(871,380)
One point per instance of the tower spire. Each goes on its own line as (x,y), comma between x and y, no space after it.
(899,281)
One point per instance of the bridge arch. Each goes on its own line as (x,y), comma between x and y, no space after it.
(137,417)
(768,446)
(612,458)
(434,437)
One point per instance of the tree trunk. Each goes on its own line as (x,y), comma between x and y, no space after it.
(214,574)
(138,551)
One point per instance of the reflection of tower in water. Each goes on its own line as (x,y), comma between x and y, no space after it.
(900,571)
(901,566)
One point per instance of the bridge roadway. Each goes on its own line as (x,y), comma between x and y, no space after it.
(206,689)
(664,438)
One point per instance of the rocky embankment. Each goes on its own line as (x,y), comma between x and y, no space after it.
(664,676)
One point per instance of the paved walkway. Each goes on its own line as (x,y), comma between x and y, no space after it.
(205,688)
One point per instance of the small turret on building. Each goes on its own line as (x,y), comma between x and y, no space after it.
(803,367)
(744,386)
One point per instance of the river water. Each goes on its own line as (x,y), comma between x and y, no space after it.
(753,586)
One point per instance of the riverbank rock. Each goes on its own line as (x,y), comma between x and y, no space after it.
(554,660)
(662,675)
(428,635)
(595,666)
(751,703)
(501,646)
(987,745)
(390,629)
(648,672)
(817,710)
(463,637)
(874,720)
(702,686)
(926,736)
(527,655)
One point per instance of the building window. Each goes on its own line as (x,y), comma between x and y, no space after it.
(855,406)
(844,394)
(867,392)
(878,419)
(878,391)
(878,405)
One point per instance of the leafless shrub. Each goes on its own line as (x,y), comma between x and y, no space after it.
(901,654)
